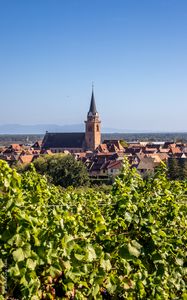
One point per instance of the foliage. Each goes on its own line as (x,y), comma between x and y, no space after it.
(129,244)
(173,168)
(62,169)
(124,144)
(177,168)
(182,168)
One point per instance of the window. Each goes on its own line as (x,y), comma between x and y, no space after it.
(90,129)
(97,127)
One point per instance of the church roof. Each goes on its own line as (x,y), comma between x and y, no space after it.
(63,140)
(92,109)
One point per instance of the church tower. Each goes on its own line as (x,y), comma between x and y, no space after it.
(93,126)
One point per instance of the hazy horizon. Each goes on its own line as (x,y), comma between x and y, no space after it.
(42,128)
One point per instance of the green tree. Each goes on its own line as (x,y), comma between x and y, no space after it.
(182,168)
(173,168)
(62,170)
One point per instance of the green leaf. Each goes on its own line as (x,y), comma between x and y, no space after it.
(124,252)
(1,264)
(100,227)
(26,250)
(128,217)
(95,291)
(14,271)
(136,244)
(184,296)
(79,256)
(62,223)
(6,183)
(91,255)
(9,203)
(24,281)
(18,255)
(179,261)
(106,265)
(35,297)
(31,264)
(129,251)
(133,250)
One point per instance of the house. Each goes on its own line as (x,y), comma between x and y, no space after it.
(103,148)
(150,150)
(37,145)
(147,165)
(13,148)
(175,150)
(163,156)
(48,152)
(26,159)
(164,150)
(114,145)
(133,151)
(114,168)
(10,158)
(179,155)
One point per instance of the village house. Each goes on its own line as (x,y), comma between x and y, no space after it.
(106,160)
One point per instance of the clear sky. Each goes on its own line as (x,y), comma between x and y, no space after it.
(135,52)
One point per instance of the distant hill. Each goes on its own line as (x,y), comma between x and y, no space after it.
(41,129)
(38,129)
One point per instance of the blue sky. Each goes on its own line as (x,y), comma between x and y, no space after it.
(135,52)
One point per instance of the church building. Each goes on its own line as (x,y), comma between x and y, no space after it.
(76,142)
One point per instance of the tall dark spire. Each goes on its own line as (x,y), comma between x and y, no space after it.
(92,109)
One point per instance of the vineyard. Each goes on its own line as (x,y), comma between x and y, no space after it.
(128,244)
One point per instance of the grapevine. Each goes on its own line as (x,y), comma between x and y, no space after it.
(61,244)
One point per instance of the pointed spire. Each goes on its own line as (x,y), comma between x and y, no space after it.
(92,109)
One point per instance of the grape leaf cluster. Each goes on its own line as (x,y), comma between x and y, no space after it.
(127,244)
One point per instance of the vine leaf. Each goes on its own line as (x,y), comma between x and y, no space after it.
(129,251)
(18,255)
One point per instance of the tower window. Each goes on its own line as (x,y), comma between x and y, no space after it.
(90,129)
(97,127)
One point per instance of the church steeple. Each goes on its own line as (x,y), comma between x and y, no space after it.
(92,110)
(93,124)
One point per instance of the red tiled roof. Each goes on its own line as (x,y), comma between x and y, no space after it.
(151,149)
(106,154)
(164,150)
(175,150)
(15,147)
(102,148)
(115,164)
(26,159)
